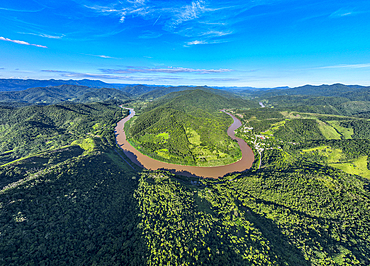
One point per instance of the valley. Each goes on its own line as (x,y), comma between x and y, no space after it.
(70,194)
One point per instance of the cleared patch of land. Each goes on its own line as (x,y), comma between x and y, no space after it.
(355,167)
(328,131)
(346,132)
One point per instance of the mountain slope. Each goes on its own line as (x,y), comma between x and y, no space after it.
(203,98)
(23,84)
(187,128)
(72,93)
(321,90)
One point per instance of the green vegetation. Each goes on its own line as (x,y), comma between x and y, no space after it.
(32,129)
(69,195)
(87,144)
(186,128)
(57,94)
(328,131)
(344,131)
(79,212)
(360,128)
(358,166)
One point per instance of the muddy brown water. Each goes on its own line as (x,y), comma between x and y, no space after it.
(206,172)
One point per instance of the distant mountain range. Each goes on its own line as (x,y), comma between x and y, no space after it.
(334,90)
(334,99)
(22,84)
(61,93)
(134,89)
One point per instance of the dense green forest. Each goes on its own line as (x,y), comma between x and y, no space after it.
(337,99)
(33,129)
(62,93)
(187,127)
(70,196)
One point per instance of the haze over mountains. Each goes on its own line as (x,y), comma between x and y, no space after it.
(52,91)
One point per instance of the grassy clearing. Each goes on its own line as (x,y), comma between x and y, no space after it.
(45,156)
(332,155)
(160,138)
(290,115)
(328,131)
(193,137)
(346,132)
(87,144)
(164,153)
(163,135)
(355,167)
(276,126)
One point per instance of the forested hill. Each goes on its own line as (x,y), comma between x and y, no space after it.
(23,84)
(162,91)
(71,93)
(31,129)
(335,99)
(335,90)
(187,128)
(202,98)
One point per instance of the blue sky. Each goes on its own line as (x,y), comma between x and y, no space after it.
(259,43)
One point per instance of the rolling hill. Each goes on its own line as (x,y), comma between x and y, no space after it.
(62,93)
(187,128)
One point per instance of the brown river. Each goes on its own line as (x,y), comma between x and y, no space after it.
(206,172)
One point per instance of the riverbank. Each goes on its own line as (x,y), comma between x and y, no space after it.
(206,172)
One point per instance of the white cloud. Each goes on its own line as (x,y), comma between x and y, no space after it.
(70,74)
(20,10)
(342,13)
(123,16)
(186,13)
(196,42)
(169,70)
(43,35)
(348,66)
(102,56)
(206,19)
(22,42)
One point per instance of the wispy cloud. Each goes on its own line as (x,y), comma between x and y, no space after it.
(168,70)
(150,35)
(200,18)
(187,12)
(216,79)
(103,56)
(153,79)
(71,74)
(343,13)
(196,42)
(21,10)
(43,35)
(354,66)
(21,42)
(213,41)
(112,9)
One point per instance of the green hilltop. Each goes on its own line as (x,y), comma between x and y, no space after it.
(187,127)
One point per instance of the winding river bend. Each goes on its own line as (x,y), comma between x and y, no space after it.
(207,172)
